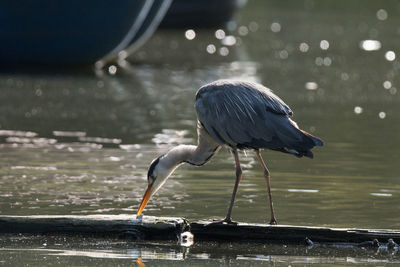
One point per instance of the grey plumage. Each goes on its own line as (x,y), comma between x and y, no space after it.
(248,115)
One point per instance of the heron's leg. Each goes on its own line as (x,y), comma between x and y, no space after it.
(238,178)
(266,174)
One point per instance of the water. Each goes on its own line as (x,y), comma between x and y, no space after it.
(66,251)
(80,142)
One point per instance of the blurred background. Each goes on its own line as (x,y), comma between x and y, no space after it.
(79,126)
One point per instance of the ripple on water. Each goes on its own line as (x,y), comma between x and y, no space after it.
(99,140)
(303,190)
(381,194)
(17,133)
(37,168)
(69,133)
(30,141)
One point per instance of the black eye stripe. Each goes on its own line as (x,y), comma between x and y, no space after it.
(153,166)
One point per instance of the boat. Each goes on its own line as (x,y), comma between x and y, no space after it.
(150,24)
(72,32)
(200,13)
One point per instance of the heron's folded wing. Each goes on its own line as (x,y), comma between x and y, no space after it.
(240,114)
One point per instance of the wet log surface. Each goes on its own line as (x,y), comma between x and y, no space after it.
(290,234)
(169,228)
(117,226)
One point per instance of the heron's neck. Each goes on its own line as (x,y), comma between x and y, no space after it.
(195,155)
(187,153)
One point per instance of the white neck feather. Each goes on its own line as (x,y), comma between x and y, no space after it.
(195,155)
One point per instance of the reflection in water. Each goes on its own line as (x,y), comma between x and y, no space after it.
(140,262)
(92,251)
(143,255)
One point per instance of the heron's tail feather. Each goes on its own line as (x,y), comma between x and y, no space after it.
(316,140)
(309,141)
(296,141)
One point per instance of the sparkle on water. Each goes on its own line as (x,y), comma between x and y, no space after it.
(243,30)
(275,27)
(381,14)
(387,84)
(224,51)
(311,86)
(390,56)
(211,49)
(229,40)
(220,34)
(303,47)
(358,110)
(112,69)
(370,45)
(190,34)
(324,44)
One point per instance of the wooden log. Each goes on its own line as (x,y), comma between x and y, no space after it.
(119,226)
(168,228)
(289,234)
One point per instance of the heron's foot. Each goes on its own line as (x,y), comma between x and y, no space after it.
(223,221)
(273,221)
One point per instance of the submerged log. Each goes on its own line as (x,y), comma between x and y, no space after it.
(168,228)
(290,234)
(118,226)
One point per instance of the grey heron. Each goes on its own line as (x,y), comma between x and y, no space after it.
(240,115)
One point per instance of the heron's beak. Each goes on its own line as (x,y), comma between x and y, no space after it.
(145,199)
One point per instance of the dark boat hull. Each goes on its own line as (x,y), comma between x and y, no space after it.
(200,13)
(67,32)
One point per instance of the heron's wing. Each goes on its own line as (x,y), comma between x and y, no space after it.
(236,113)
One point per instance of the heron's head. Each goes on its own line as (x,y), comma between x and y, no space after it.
(160,169)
